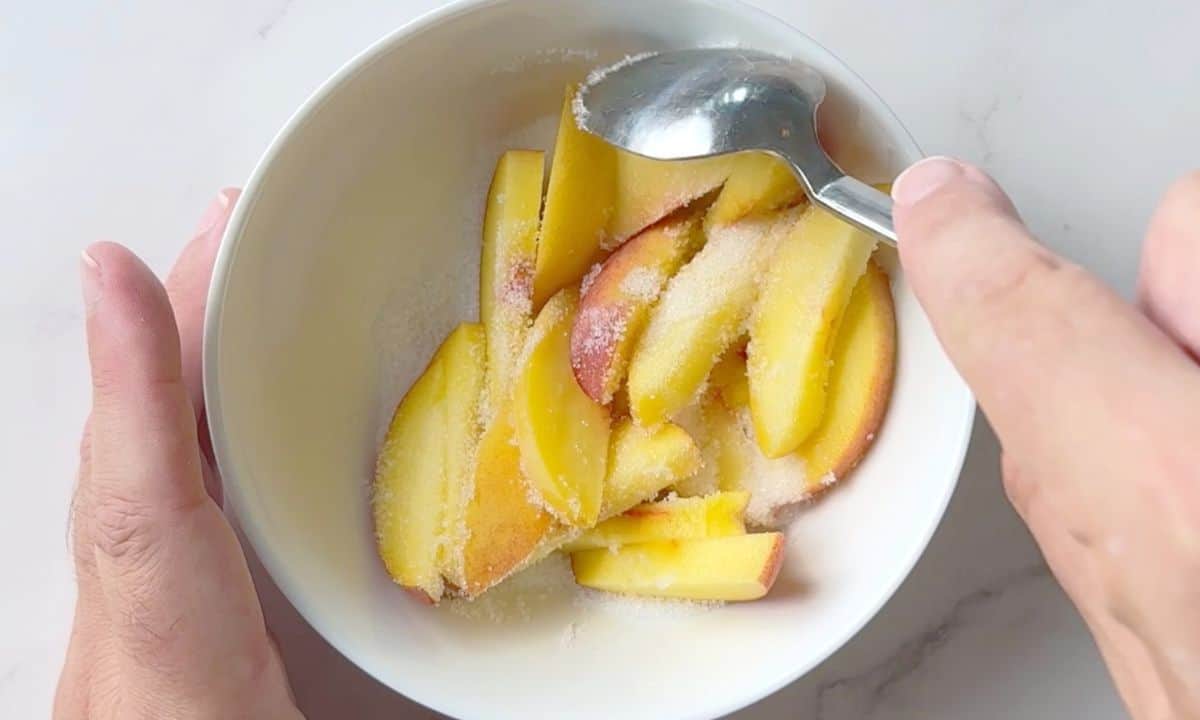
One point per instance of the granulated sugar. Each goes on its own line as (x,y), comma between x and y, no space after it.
(601,328)
(546,56)
(578,106)
(599,74)
(523,596)
(642,283)
(641,607)
(586,283)
(773,483)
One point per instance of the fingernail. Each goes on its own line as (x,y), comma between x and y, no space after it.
(89,279)
(924,177)
(214,212)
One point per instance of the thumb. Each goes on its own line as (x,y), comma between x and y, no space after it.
(1033,335)
(174,584)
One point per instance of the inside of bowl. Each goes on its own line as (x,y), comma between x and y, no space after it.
(356,252)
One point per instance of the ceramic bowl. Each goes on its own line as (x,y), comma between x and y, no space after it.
(354,250)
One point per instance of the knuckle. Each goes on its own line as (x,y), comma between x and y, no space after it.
(122,528)
(1017,486)
(1014,279)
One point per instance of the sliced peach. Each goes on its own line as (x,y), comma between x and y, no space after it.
(422,473)
(733,568)
(462,357)
(701,313)
(599,196)
(728,378)
(804,295)
(505,528)
(563,433)
(617,301)
(510,225)
(776,486)
(580,199)
(676,518)
(759,183)
(860,383)
(649,190)
(643,461)
(410,479)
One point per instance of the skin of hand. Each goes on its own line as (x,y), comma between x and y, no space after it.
(1096,403)
(167,622)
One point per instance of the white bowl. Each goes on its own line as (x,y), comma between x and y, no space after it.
(354,251)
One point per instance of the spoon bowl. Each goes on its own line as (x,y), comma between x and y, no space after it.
(696,103)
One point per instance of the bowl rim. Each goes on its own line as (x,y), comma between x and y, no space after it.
(276,567)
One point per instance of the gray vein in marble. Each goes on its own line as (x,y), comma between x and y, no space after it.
(980,123)
(877,681)
(269,24)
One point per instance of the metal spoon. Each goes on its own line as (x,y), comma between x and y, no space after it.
(698,103)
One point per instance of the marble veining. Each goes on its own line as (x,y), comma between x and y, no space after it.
(274,18)
(874,684)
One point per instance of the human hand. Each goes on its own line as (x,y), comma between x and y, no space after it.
(1096,404)
(167,622)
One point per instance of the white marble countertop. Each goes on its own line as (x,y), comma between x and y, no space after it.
(120,120)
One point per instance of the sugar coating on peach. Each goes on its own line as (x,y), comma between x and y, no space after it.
(674,518)
(422,476)
(618,298)
(504,529)
(506,263)
(860,383)
(563,434)
(733,568)
(644,461)
(759,183)
(804,294)
(701,313)
(599,196)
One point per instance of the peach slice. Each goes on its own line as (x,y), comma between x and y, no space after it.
(700,314)
(642,462)
(759,183)
(505,528)
(510,225)
(860,383)
(676,518)
(409,487)
(733,568)
(617,301)
(728,378)
(421,473)
(580,199)
(649,190)
(599,196)
(463,358)
(563,434)
(791,332)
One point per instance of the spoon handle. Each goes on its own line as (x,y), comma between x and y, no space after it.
(861,204)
